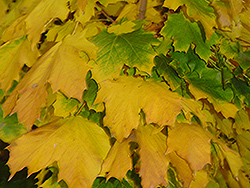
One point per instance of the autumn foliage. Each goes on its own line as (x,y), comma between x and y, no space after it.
(110,93)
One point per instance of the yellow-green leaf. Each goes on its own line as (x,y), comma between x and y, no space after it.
(63,106)
(78,145)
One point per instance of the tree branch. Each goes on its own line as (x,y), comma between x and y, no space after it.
(142,10)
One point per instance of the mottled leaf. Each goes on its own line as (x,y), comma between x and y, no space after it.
(132,49)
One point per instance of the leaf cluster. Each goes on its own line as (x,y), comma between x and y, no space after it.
(113,93)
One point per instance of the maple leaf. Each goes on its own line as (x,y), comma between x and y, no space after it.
(14,13)
(13,55)
(52,67)
(190,33)
(63,106)
(191,143)
(152,156)
(199,10)
(118,161)
(125,97)
(201,179)
(78,145)
(131,11)
(205,82)
(10,129)
(132,49)
(42,13)
(182,168)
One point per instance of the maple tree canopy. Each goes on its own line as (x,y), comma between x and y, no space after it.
(127,94)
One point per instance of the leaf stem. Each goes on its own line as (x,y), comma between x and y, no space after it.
(80,109)
(105,14)
(142,10)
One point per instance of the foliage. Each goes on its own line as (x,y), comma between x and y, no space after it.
(149,93)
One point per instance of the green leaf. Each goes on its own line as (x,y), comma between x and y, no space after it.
(10,129)
(242,90)
(244,59)
(132,49)
(184,32)
(200,76)
(163,67)
(89,95)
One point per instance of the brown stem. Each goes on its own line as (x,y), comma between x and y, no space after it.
(142,10)
(80,109)
(105,14)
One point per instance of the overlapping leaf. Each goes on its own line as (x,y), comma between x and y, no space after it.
(13,55)
(43,13)
(190,33)
(152,156)
(10,129)
(199,10)
(77,144)
(192,143)
(126,96)
(52,67)
(118,161)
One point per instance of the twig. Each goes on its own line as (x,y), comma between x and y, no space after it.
(105,14)
(80,109)
(142,10)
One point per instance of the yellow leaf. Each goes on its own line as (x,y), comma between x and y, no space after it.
(4,7)
(78,145)
(15,12)
(57,33)
(118,161)
(154,162)
(125,27)
(44,12)
(62,67)
(13,55)
(131,11)
(191,106)
(200,179)
(226,108)
(182,168)
(126,96)
(63,106)
(15,30)
(192,143)
(233,158)
(245,30)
